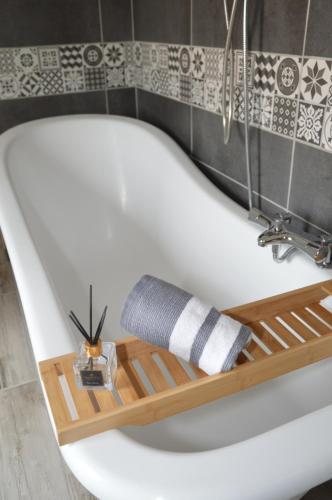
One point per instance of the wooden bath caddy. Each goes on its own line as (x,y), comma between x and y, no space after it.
(265,358)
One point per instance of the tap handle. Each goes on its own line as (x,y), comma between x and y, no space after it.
(258,216)
(326,239)
(280,217)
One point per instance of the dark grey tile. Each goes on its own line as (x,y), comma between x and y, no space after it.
(321,492)
(270,154)
(171,116)
(311,196)
(122,102)
(273,26)
(209,26)
(164,21)
(22,110)
(319,34)
(48,22)
(116,17)
(235,191)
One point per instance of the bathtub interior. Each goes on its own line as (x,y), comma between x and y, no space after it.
(106,201)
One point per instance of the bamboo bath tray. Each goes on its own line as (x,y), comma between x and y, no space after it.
(291,331)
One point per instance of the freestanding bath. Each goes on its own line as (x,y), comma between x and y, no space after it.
(104,200)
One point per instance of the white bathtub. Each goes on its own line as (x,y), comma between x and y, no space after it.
(104,200)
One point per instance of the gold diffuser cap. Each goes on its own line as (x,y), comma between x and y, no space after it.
(93,351)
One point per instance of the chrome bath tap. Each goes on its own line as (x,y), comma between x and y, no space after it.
(278,232)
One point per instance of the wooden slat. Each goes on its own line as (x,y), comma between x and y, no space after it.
(282,332)
(55,396)
(317,325)
(272,306)
(178,373)
(81,399)
(199,373)
(266,337)
(255,350)
(135,379)
(299,327)
(153,372)
(124,386)
(131,347)
(322,312)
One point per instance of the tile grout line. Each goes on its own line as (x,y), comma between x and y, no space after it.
(102,41)
(297,108)
(265,198)
(133,40)
(16,386)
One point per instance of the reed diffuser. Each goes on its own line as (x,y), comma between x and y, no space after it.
(95,367)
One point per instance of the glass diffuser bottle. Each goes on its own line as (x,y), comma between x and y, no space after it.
(96,364)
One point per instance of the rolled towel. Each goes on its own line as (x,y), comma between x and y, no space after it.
(163,314)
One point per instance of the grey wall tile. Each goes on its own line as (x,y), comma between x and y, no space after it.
(19,111)
(311,192)
(116,18)
(209,25)
(319,34)
(273,26)
(270,154)
(36,22)
(122,102)
(165,21)
(171,116)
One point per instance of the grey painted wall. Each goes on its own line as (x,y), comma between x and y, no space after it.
(286,175)
(43,22)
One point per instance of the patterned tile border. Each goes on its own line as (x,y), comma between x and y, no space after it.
(289,96)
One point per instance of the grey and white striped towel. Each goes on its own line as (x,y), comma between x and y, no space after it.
(163,314)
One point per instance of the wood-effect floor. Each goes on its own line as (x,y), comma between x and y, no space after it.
(31,466)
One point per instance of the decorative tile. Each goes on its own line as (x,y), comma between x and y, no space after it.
(239,68)
(93,56)
(265,74)
(327,130)
(329,96)
(115,77)
(163,81)
(154,56)
(138,55)
(51,82)
(7,64)
(310,123)
(26,60)
(9,86)
(284,115)
(261,109)
(174,86)
(288,76)
(30,84)
(73,80)
(114,55)
(197,92)
(146,54)
(198,62)
(130,75)
(71,57)
(316,80)
(238,104)
(185,88)
(49,58)
(184,60)
(211,95)
(174,59)
(138,76)
(213,63)
(94,78)
(163,56)
(155,81)
(129,53)
(146,79)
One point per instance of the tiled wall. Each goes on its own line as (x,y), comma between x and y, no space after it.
(162,61)
(61,57)
(290,89)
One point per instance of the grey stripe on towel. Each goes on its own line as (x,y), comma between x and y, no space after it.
(165,315)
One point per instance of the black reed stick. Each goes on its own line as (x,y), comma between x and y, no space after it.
(100,327)
(91,340)
(78,325)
